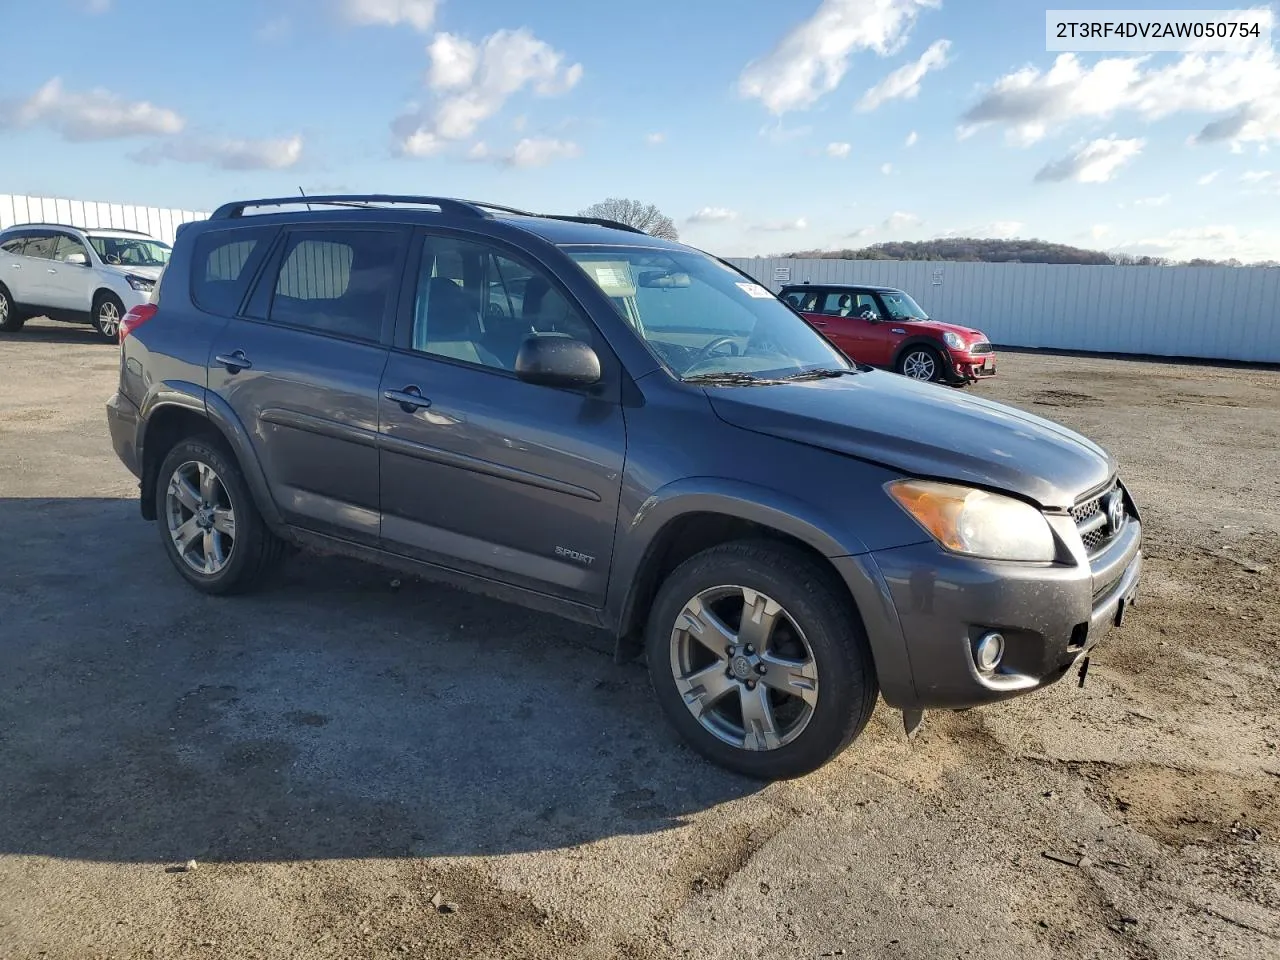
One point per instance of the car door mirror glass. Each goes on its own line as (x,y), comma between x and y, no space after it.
(556,360)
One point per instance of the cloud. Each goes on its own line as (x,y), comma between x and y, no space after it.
(478,151)
(1159,201)
(418,14)
(95,115)
(886,168)
(226,153)
(839,151)
(904,83)
(1213,242)
(812,59)
(1245,88)
(655,139)
(539,151)
(999,229)
(1208,178)
(899,220)
(1094,162)
(862,232)
(1255,176)
(912,139)
(474,81)
(781,226)
(1099,230)
(712,215)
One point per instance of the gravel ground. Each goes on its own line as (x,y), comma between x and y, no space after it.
(360,769)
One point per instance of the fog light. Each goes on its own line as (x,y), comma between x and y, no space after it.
(989,651)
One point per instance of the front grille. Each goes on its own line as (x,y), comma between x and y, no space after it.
(1091,520)
(980,348)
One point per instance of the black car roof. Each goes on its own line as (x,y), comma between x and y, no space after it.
(442,211)
(842,286)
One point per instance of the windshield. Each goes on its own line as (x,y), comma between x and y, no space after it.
(704,320)
(131,251)
(902,307)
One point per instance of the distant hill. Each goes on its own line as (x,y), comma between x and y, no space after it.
(972,250)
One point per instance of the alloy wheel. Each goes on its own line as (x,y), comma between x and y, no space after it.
(200,517)
(919,365)
(743,667)
(108,319)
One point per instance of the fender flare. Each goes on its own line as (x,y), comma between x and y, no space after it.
(920,340)
(209,406)
(636,539)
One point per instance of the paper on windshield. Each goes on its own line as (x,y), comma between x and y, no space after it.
(755,290)
(611,276)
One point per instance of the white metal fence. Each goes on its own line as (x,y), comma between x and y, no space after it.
(1220,313)
(88,214)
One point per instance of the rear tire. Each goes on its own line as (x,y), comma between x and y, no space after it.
(108,311)
(922,363)
(818,686)
(208,522)
(11,320)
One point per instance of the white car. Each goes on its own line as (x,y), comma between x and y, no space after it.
(67,273)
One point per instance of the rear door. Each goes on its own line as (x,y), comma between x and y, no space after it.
(301,365)
(11,265)
(71,286)
(482,472)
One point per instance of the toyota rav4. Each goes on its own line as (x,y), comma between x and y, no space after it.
(624,431)
(886,328)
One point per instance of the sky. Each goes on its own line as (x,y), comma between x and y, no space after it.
(758,126)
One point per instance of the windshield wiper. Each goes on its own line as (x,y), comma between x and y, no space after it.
(822,374)
(729,378)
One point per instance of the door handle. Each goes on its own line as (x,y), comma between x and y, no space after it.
(235,362)
(410,399)
(16,266)
(51,270)
(818,323)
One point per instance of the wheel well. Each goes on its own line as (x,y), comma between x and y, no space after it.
(677,542)
(103,292)
(166,427)
(933,345)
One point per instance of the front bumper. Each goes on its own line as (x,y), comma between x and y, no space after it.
(1049,614)
(966,368)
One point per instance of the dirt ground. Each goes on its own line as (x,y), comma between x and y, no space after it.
(340,754)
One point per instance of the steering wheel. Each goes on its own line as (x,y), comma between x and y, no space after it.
(705,353)
(494,309)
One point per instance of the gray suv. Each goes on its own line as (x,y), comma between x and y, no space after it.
(583,419)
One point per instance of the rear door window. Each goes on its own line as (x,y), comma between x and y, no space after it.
(14,245)
(223,265)
(340,282)
(40,246)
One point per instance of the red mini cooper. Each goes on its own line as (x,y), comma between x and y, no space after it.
(884,327)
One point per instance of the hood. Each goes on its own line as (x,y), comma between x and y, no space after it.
(149,273)
(969,333)
(924,430)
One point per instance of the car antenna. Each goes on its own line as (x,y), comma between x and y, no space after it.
(304,196)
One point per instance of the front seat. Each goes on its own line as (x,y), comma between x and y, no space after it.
(447,329)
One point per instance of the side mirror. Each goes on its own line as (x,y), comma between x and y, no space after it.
(557,361)
(79,259)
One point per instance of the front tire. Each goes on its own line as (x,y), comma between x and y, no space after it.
(922,363)
(209,524)
(108,311)
(11,320)
(759,660)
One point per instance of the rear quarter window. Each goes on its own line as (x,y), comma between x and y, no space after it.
(223,265)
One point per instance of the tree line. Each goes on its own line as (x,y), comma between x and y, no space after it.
(975,250)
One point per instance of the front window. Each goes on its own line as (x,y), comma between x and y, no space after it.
(704,320)
(131,251)
(902,307)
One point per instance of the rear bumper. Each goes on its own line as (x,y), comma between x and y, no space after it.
(940,604)
(122,422)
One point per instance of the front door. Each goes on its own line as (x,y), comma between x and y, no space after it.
(71,285)
(301,367)
(481,471)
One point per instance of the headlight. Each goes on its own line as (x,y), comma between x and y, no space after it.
(976,522)
(953,340)
(141,284)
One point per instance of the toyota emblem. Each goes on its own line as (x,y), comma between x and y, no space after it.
(1115,512)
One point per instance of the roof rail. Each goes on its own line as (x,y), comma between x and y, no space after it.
(598,221)
(71,226)
(447,205)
